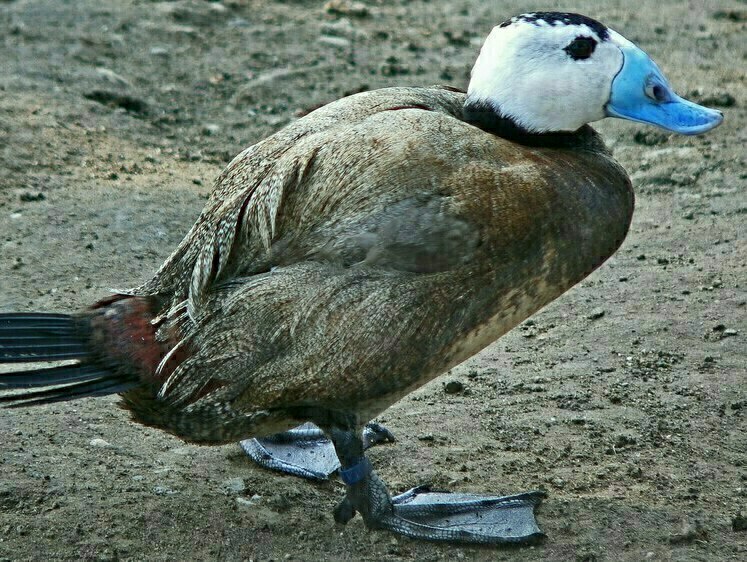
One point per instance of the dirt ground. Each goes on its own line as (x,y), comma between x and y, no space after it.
(626,399)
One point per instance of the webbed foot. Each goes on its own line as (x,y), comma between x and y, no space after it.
(469,517)
(305,451)
(435,516)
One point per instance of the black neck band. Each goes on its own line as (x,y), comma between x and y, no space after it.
(483,115)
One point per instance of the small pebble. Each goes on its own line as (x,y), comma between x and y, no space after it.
(238,22)
(113,78)
(250,502)
(739,523)
(453,387)
(31,197)
(233,486)
(336,42)
(210,129)
(691,532)
(341,28)
(346,8)
(558,482)
(596,314)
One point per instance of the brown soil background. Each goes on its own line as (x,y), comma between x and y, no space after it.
(121,114)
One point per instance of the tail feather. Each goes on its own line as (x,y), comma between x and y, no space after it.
(98,387)
(31,317)
(51,376)
(36,352)
(8,329)
(40,337)
(14,338)
(59,324)
(36,337)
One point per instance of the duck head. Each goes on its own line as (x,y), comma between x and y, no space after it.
(554,72)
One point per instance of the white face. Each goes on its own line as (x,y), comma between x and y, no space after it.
(526,73)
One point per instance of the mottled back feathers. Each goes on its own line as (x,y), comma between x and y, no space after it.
(364,250)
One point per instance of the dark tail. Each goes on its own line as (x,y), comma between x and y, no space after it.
(37,337)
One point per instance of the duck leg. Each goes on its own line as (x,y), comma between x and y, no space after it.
(422,514)
(306,451)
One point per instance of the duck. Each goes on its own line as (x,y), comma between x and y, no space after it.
(363,250)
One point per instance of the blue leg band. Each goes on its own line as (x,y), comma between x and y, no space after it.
(356,473)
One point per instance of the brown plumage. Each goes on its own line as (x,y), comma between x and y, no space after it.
(366,249)
(354,256)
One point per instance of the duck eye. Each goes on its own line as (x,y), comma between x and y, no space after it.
(657,92)
(581,48)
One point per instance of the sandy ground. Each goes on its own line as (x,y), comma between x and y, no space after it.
(626,399)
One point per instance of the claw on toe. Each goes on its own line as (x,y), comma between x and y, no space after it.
(376,434)
(344,512)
